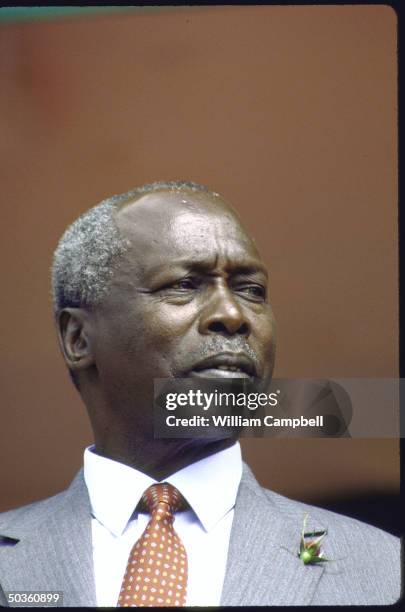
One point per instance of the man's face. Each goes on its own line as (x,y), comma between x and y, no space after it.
(188,299)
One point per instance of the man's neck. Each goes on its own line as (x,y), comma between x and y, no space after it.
(161,458)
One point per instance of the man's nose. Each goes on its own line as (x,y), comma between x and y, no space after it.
(223,315)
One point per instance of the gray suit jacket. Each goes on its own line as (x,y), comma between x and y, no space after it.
(47,546)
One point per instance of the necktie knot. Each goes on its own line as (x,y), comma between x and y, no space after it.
(163,498)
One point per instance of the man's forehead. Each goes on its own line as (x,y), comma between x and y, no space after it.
(184,212)
(165,227)
(165,204)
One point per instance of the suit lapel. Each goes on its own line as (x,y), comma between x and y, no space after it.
(54,553)
(263,567)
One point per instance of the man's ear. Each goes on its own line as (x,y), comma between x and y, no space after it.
(75,338)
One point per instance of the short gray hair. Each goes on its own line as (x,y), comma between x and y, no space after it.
(87,253)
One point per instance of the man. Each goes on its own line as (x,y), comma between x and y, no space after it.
(163,282)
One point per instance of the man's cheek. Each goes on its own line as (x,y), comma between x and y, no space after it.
(171,324)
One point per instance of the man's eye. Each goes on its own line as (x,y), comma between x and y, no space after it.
(256,292)
(185,284)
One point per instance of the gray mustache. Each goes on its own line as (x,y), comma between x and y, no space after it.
(215,346)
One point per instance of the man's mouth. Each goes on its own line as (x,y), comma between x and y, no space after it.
(226,366)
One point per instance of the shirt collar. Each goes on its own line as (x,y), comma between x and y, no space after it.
(209,485)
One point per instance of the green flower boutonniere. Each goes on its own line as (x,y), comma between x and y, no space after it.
(310,551)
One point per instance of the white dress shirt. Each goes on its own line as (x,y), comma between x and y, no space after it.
(210,486)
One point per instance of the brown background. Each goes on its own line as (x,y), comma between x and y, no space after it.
(290,112)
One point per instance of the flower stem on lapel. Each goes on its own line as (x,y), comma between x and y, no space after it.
(310,552)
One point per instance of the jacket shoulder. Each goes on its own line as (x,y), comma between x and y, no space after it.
(30,514)
(25,517)
(365,559)
(327,519)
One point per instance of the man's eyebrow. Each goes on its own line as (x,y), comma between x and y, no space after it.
(249,269)
(241,268)
(207,265)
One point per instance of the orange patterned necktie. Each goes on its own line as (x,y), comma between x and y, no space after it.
(156,573)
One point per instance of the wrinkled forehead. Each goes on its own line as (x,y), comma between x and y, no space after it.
(166,226)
